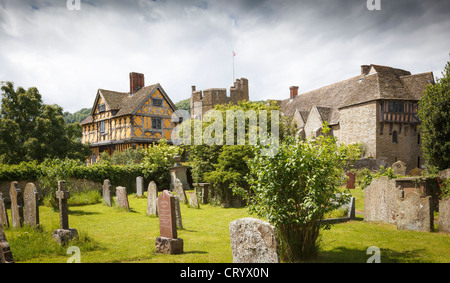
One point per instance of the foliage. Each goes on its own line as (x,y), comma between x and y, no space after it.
(76,117)
(129,156)
(294,189)
(32,130)
(444,187)
(368,176)
(434,114)
(184,105)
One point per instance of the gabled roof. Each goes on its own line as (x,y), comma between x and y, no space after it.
(127,104)
(381,82)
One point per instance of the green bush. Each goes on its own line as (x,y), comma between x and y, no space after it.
(368,176)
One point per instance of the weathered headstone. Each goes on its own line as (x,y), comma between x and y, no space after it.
(122,198)
(152,199)
(31,205)
(444,215)
(64,234)
(193,199)
(351,180)
(444,174)
(139,186)
(178,213)
(5,251)
(253,241)
(179,190)
(3,212)
(204,192)
(414,213)
(416,172)
(106,191)
(380,200)
(168,242)
(399,168)
(179,172)
(16,205)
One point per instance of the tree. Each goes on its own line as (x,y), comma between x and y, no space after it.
(32,130)
(296,187)
(434,114)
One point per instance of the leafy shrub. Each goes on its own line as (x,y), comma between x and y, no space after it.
(368,176)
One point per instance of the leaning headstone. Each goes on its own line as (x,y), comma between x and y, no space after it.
(444,215)
(167,242)
(193,200)
(122,198)
(16,205)
(139,186)
(3,212)
(178,213)
(399,168)
(179,190)
(351,180)
(152,199)
(64,234)
(253,241)
(106,191)
(5,251)
(31,205)
(414,213)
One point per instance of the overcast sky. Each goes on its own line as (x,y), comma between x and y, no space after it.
(69,54)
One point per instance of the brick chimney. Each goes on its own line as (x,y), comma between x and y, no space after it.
(293,91)
(136,82)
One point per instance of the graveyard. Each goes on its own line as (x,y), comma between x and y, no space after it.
(114,234)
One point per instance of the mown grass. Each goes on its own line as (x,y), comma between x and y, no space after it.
(109,234)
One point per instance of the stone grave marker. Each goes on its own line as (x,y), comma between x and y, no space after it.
(178,172)
(64,234)
(5,251)
(444,215)
(179,190)
(31,205)
(3,212)
(193,199)
(399,168)
(16,205)
(351,180)
(106,191)
(178,213)
(139,186)
(414,213)
(152,199)
(168,242)
(253,241)
(122,198)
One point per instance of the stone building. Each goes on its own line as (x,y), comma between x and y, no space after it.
(122,120)
(215,96)
(377,108)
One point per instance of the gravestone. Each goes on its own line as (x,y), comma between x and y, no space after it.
(179,190)
(5,251)
(350,181)
(139,186)
(253,241)
(31,205)
(122,198)
(179,172)
(414,213)
(106,191)
(444,215)
(380,200)
(168,242)
(152,199)
(64,234)
(416,172)
(193,199)
(444,174)
(178,213)
(3,213)
(204,192)
(399,168)
(16,205)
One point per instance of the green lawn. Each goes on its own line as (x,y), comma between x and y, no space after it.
(114,235)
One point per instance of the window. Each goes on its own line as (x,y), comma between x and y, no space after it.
(156,102)
(396,106)
(156,123)
(394,137)
(102,127)
(101,108)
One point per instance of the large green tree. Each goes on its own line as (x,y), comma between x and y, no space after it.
(32,130)
(434,114)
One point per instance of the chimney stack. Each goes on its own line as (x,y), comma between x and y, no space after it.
(293,91)
(136,82)
(365,69)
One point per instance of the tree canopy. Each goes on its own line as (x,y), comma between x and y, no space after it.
(32,130)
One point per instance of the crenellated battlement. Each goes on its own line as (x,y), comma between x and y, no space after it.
(214,96)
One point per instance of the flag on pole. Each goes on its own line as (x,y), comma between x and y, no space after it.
(234,53)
